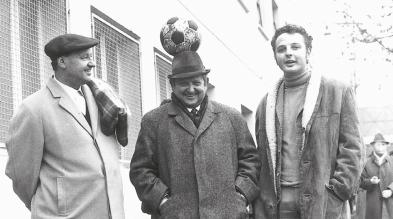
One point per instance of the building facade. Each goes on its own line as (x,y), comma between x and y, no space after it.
(235,46)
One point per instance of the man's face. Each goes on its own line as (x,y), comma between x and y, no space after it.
(78,67)
(380,147)
(291,54)
(190,91)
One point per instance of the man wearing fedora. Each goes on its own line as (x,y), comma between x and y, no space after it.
(377,180)
(194,158)
(60,162)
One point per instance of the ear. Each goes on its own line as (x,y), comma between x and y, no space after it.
(172,83)
(61,62)
(308,53)
(275,58)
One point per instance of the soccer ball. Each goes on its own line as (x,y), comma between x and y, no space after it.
(179,35)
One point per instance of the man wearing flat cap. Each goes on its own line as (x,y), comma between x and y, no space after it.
(377,180)
(194,158)
(60,162)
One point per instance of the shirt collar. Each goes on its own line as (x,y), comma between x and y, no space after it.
(380,158)
(69,90)
(197,108)
(75,95)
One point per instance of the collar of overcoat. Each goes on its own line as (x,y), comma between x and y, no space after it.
(311,105)
(384,159)
(68,105)
(186,123)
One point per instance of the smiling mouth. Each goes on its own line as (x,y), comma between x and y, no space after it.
(190,96)
(290,62)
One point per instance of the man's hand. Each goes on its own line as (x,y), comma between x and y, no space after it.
(165,199)
(243,198)
(387,193)
(374,180)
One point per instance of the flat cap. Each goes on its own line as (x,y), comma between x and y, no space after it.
(68,43)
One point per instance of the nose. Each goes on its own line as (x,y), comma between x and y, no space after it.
(289,53)
(191,89)
(91,64)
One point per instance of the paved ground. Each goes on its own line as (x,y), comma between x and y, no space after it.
(12,208)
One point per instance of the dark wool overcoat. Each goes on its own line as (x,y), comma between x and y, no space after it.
(329,157)
(374,199)
(200,167)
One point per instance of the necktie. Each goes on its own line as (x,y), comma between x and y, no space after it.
(194,113)
(86,114)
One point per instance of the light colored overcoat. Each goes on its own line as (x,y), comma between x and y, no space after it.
(60,166)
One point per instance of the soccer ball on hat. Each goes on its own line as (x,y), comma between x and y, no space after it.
(179,35)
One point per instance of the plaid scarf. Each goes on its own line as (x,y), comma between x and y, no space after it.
(197,118)
(113,111)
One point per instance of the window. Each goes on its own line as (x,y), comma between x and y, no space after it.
(275,15)
(261,20)
(25,27)
(118,63)
(163,64)
(241,2)
(259,10)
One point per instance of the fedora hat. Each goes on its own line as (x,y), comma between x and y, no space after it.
(187,64)
(379,138)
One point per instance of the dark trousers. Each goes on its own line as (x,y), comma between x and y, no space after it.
(289,205)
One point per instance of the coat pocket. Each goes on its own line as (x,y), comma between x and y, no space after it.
(242,207)
(61,196)
(334,206)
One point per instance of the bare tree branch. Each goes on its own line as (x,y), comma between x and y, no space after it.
(366,36)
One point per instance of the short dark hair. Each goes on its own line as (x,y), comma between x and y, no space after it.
(54,64)
(291,28)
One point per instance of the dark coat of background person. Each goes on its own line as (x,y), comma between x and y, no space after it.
(374,197)
(201,166)
(332,147)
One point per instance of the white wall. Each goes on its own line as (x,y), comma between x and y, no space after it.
(232,47)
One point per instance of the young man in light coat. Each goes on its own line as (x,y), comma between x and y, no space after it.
(194,158)
(60,162)
(308,138)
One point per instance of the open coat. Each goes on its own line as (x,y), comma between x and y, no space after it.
(200,167)
(374,199)
(59,165)
(329,157)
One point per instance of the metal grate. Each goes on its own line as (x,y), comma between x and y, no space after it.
(163,70)
(117,59)
(39,21)
(25,27)
(6,102)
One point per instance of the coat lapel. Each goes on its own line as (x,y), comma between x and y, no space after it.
(91,107)
(313,99)
(280,103)
(270,124)
(311,105)
(182,119)
(66,103)
(208,118)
